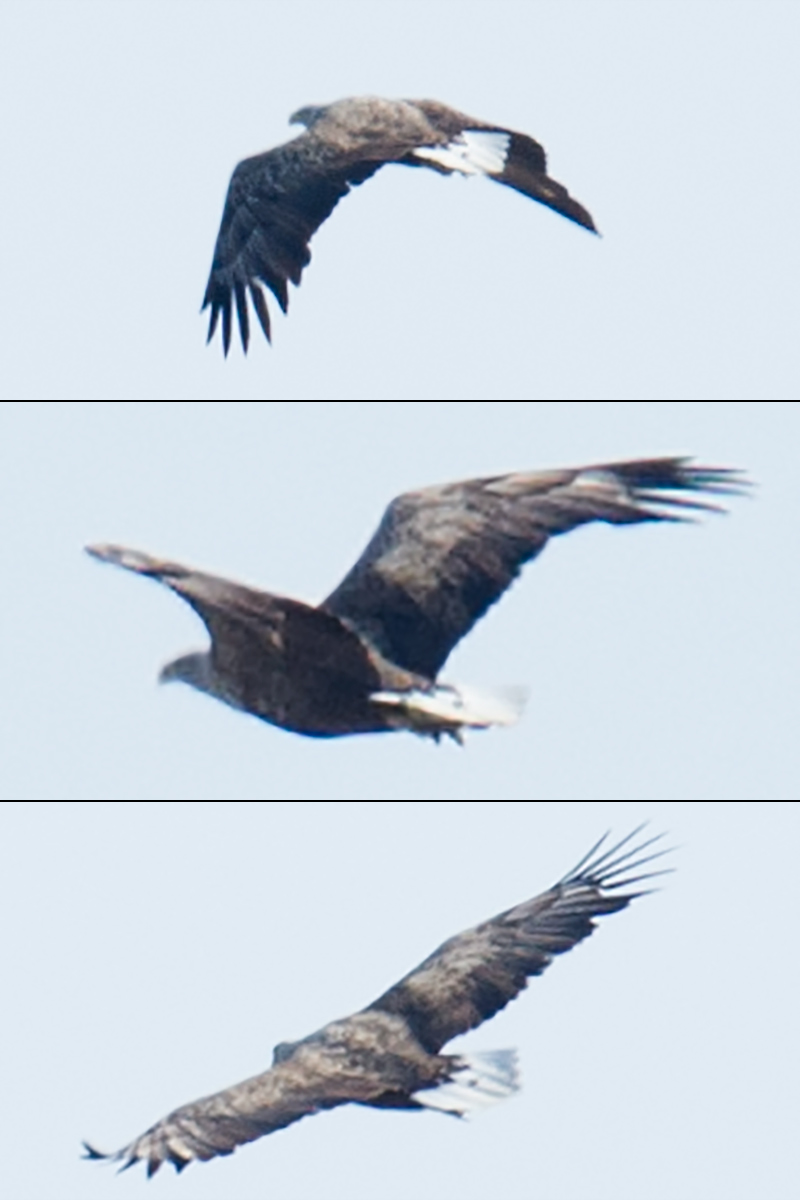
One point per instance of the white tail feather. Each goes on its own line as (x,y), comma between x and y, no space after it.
(473,152)
(480,1081)
(453,707)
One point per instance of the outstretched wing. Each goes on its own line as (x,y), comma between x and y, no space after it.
(275,202)
(523,172)
(213,1126)
(510,158)
(217,1124)
(268,652)
(475,974)
(443,555)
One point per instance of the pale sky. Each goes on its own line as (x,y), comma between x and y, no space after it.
(157,950)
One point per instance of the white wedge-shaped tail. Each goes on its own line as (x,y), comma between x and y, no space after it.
(480,1081)
(473,152)
(451,708)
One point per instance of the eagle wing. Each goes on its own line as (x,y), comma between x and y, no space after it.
(276,201)
(443,555)
(213,1126)
(475,974)
(258,639)
(521,162)
(313,1080)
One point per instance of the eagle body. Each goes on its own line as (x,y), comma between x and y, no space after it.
(277,200)
(265,643)
(367,660)
(374,1054)
(389,1054)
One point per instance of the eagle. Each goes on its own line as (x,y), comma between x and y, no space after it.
(367,659)
(389,1055)
(276,201)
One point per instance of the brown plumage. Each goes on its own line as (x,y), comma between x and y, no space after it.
(367,659)
(388,1055)
(277,200)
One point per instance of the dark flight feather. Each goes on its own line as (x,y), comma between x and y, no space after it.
(443,555)
(474,975)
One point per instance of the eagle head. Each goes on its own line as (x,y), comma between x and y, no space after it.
(309,115)
(282,1051)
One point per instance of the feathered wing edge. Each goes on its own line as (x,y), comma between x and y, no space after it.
(610,870)
(484,1079)
(505,155)
(478,972)
(266,229)
(653,483)
(523,173)
(216,1125)
(443,555)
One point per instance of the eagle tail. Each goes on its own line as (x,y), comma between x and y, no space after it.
(477,1082)
(451,708)
(472,152)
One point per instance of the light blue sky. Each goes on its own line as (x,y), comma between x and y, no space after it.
(673,122)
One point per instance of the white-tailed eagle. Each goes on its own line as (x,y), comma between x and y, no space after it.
(389,1054)
(276,201)
(366,660)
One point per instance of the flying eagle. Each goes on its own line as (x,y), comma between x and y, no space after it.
(276,201)
(389,1054)
(366,660)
